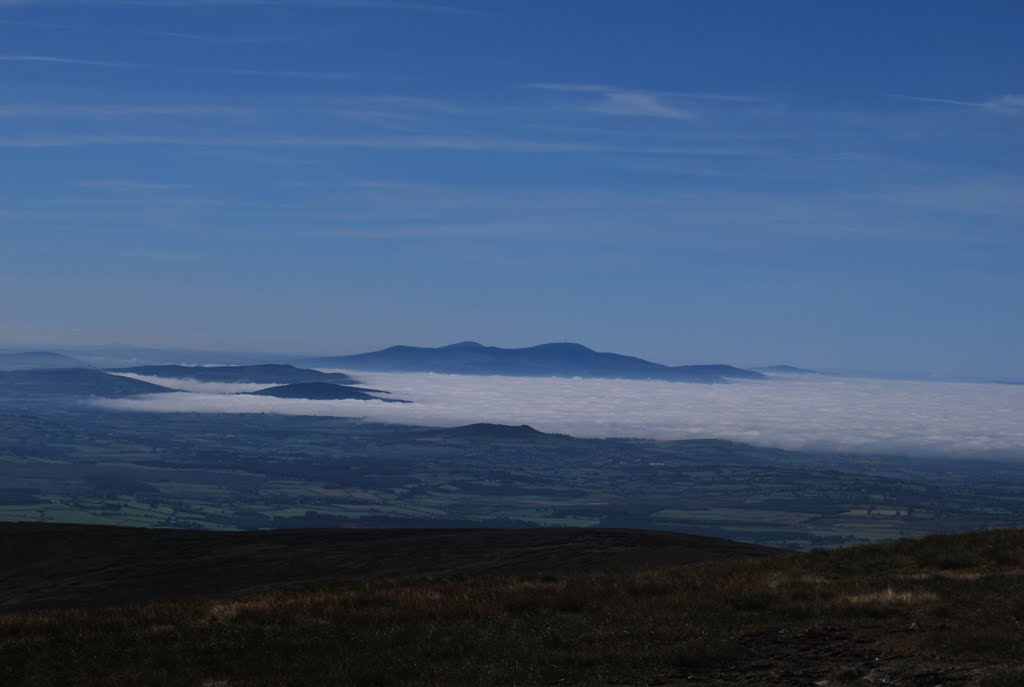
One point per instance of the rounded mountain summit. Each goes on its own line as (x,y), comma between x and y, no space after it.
(561,359)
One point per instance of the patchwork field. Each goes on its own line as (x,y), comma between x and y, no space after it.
(71,463)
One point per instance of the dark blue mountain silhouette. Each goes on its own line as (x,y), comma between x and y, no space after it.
(481,430)
(74,382)
(323,391)
(545,360)
(786,369)
(37,360)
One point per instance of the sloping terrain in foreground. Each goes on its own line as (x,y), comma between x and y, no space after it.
(945,610)
(48,565)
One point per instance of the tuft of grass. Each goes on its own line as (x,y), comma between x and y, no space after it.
(891,597)
(1003,676)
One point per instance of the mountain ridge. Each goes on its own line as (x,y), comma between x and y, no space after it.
(267,373)
(76,381)
(554,359)
(786,369)
(37,360)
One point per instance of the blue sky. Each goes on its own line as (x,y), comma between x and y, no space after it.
(835,185)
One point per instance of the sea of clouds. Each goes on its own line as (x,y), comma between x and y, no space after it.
(799,412)
(189,384)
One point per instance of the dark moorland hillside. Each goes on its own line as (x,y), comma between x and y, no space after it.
(545,360)
(946,610)
(48,565)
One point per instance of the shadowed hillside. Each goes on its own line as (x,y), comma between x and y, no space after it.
(69,565)
(945,610)
(74,382)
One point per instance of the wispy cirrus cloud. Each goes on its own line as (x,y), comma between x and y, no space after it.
(126,185)
(994,197)
(227,71)
(455,143)
(290,74)
(340,4)
(123,111)
(54,59)
(395,106)
(1004,104)
(458,143)
(74,141)
(621,102)
(197,37)
(613,100)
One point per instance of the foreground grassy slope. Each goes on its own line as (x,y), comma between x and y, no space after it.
(50,565)
(945,610)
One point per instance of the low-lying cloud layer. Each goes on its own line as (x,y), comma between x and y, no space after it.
(189,384)
(867,415)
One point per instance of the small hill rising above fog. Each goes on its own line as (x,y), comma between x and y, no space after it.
(322,391)
(491,431)
(545,360)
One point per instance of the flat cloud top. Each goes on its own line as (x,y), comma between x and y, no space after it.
(828,413)
(195,385)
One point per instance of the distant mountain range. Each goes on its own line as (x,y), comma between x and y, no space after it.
(44,373)
(787,370)
(83,381)
(74,382)
(122,355)
(37,360)
(545,360)
(240,374)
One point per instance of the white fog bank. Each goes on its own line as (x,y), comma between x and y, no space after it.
(869,415)
(190,384)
